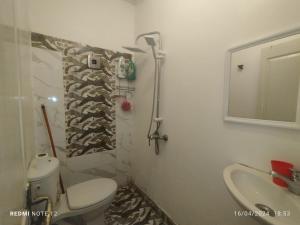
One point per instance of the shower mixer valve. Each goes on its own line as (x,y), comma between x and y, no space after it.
(157,136)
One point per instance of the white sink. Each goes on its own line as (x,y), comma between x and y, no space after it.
(249,186)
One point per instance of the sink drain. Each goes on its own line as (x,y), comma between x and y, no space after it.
(266,209)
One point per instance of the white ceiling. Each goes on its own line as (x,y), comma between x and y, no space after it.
(131,1)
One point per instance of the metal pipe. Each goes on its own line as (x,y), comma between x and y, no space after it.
(153,98)
(158,89)
(48,217)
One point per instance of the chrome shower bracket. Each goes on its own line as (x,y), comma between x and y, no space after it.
(161,54)
(158,119)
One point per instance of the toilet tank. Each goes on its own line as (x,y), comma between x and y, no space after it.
(43,176)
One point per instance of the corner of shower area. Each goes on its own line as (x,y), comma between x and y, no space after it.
(16,131)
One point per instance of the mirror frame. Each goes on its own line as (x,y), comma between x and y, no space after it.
(227,117)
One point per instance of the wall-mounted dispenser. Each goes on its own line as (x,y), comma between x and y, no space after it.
(125,69)
(121,68)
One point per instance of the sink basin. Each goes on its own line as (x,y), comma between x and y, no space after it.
(250,187)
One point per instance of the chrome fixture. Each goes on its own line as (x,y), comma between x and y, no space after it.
(293,183)
(266,209)
(153,39)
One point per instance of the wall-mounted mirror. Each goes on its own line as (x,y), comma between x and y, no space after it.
(262,81)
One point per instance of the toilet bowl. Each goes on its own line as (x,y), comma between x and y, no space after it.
(95,194)
(82,198)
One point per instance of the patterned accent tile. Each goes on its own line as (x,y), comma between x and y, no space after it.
(90,117)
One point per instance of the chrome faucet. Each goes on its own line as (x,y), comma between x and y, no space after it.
(293,183)
(157,136)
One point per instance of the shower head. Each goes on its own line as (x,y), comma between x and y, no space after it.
(150,40)
(134,49)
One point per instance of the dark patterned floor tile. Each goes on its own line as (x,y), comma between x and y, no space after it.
(132,207)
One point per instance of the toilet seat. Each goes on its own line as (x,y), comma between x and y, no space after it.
(90,192)
(85,197)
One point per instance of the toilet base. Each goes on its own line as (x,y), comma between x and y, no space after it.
(95,215)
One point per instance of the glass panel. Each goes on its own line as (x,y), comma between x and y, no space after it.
(14,42)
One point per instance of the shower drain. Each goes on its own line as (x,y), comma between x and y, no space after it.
(266,209)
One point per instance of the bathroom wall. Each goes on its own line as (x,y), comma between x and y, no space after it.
(104,23)
(186,178)
(16,132)
(81,107)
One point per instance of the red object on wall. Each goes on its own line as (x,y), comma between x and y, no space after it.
(126,105)
(283,168)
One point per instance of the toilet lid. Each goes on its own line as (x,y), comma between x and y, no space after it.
(91,192)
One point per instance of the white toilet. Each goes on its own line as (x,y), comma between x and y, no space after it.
(96,194)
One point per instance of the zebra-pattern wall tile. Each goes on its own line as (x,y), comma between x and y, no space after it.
(89,105)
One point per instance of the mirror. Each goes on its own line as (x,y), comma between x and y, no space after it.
(262,81)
